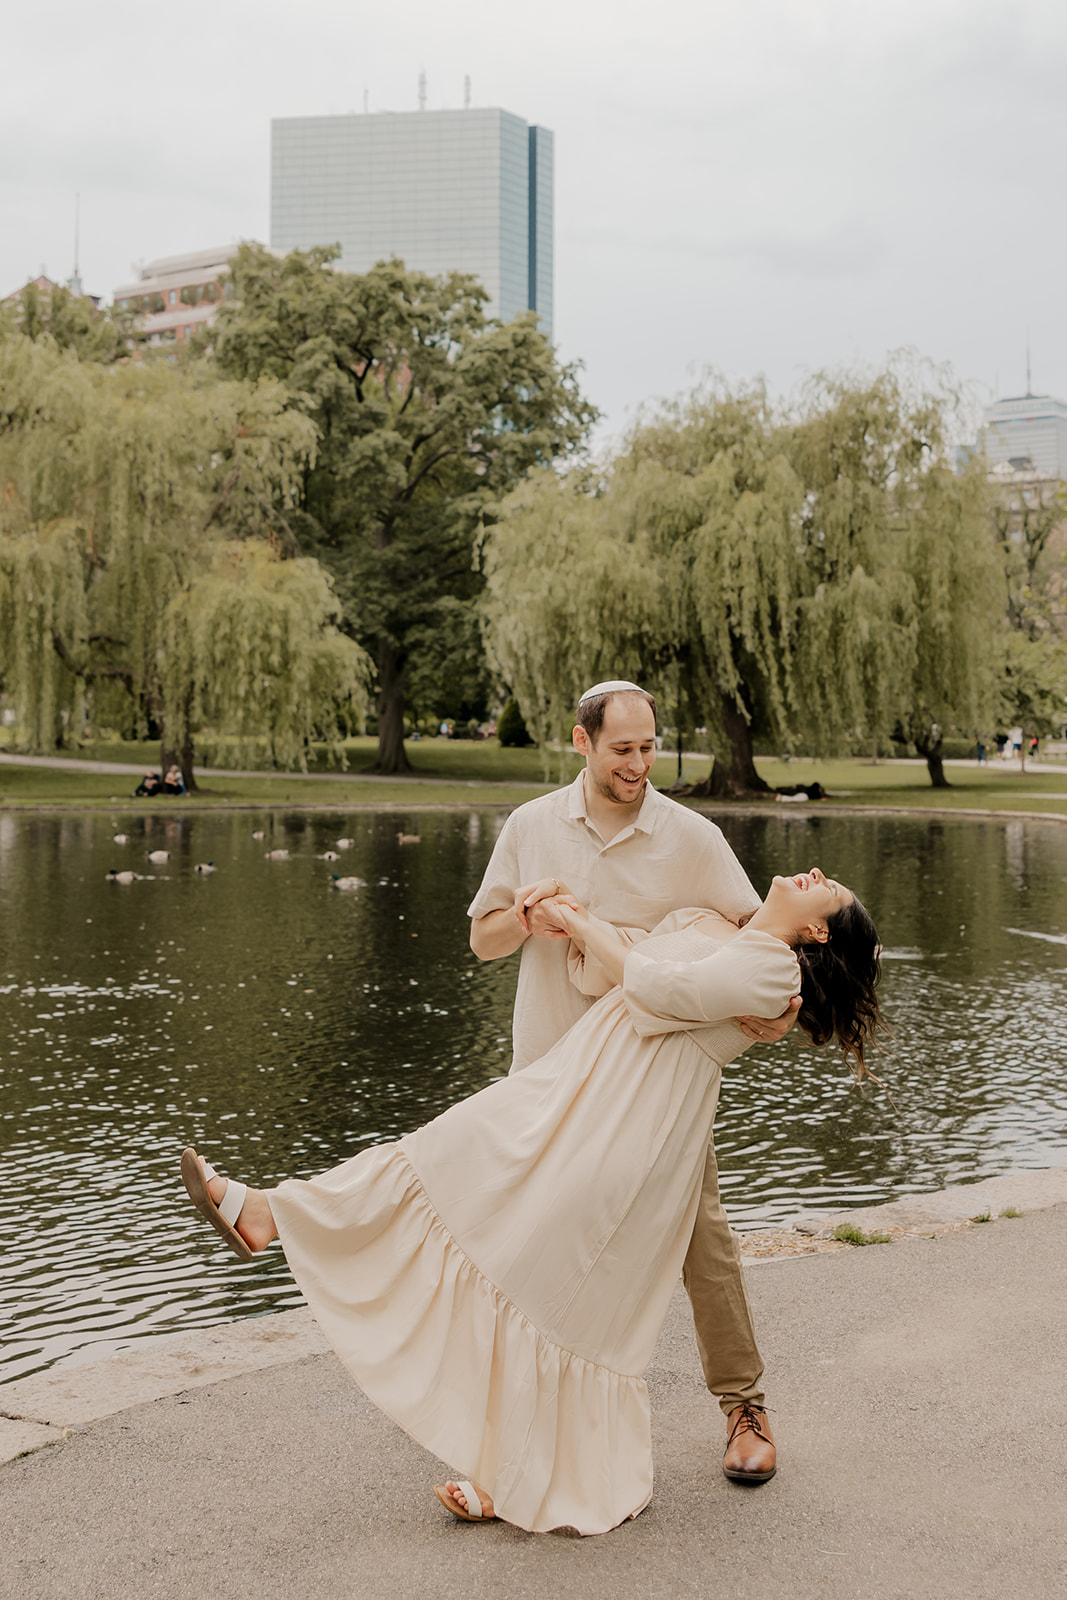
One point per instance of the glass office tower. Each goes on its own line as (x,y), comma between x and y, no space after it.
(469,191)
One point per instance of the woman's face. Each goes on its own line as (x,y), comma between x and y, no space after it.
(808,899)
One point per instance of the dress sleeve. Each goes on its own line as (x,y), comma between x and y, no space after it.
(754,975)
(586,972)
(501,882)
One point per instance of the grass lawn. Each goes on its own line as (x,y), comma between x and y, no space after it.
(458,772)
(47,786)
(993,787)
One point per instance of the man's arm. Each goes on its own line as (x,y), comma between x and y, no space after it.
(500,933)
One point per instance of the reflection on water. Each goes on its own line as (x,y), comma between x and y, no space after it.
(281,1026)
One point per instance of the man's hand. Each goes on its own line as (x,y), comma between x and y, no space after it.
(500,933)
(534,908)
(768,1030)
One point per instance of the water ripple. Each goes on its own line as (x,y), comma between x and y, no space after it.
(283,1028)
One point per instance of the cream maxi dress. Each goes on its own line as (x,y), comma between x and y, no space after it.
(496,1281)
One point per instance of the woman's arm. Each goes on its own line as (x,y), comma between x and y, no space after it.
(754,975)
(598,949)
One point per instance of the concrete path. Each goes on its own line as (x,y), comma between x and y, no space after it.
(134,774)
(921,1407)
(125,769)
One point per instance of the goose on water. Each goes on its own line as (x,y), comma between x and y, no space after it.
(159,856)
(346,883)
(329,855)
(407,838)
(206,866)
(344,844)
(277,855)
(114,876)
(257,833)
(121,838)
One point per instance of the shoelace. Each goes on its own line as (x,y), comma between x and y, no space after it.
(750,1421)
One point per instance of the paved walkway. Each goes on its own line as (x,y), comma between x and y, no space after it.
(124,769)
(921,1396)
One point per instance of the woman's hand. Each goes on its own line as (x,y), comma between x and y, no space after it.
(574,917)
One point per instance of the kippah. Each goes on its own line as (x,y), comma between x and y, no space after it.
(613,687)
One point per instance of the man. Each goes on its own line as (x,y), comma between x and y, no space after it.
(631,856)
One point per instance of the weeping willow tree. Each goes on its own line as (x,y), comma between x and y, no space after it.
(252,643)
(680,571)
(820,577)
(709,482)
(570,599)
(904,608)
(119,488)
(39,603)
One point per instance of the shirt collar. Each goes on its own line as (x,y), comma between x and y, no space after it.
(645,821)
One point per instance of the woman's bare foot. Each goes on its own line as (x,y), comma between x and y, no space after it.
(255,1221)
(461,1499)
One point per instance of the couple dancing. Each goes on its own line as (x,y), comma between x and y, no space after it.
(496,1280)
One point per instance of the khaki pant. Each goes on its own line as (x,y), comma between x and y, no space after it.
(715,1283)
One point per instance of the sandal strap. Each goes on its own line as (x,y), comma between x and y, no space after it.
(474,1499)
(229,1206)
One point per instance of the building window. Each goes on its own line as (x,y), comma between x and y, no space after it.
(172,298)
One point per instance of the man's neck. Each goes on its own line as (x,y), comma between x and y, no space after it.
(609,817)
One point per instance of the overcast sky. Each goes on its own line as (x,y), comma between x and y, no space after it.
(759,186)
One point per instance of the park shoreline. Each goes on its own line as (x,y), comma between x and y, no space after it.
(483,798)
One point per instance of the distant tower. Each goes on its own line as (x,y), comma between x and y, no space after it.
(466,190)
(74,282)
(467,92)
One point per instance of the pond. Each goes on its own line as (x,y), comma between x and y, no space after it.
(281,1026)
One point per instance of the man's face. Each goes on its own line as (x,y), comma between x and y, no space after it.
(620,759)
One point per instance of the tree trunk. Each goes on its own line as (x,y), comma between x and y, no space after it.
(392,671)
(181,758)
(737,779)
(929,747)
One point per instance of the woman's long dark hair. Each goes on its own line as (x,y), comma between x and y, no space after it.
(837,984)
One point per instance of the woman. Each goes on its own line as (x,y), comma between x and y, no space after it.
(496,1281)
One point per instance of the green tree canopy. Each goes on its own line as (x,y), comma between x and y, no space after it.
(72,322)
(426,414)
(120,494)
(820,576)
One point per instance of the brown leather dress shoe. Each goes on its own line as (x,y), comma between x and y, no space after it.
(750,1453)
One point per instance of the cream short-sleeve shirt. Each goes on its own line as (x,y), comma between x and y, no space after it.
(669,858)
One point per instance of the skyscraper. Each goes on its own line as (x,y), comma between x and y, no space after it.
(470,191)
(1028,432)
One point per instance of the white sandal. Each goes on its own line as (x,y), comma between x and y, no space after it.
(222,1217)
(473,1498)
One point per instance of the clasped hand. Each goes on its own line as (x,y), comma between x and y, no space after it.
(538,906)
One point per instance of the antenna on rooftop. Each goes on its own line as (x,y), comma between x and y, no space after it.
(422,91)
(74,283)
(467,92)
(1028,388)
